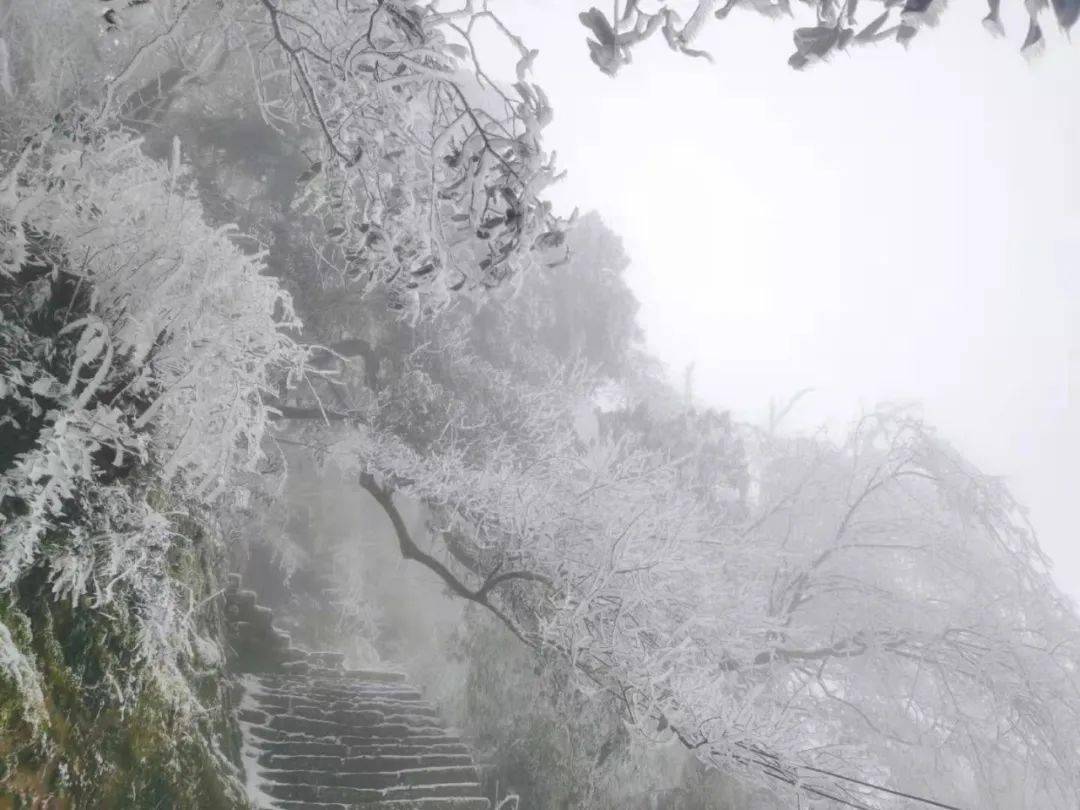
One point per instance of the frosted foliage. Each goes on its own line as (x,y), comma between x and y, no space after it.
(883,610)
(173,298)
(168,367)
(827,26)
(430,175)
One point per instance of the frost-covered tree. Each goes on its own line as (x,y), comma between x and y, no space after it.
(134,334)
(427,174)
(851,621)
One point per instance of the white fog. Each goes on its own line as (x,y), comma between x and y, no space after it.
(527,405)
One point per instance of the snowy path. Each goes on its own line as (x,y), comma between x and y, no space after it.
(318,736)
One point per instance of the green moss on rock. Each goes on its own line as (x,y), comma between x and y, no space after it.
(117,732)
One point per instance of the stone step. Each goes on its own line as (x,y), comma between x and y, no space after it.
(292,655)
(252,642)
(350,718)
(336,677)
(415,714)
(329,697)
(301,749)
(297,668)
(254,716)
(407,750)
(324,696)
(316,673)
(271,735)
(445,803)
(361,763)
(449,790)
(253,631)
(378,780)
(442,738)
(243,600)
(325,793)
(307,747)
(333,660)
(260,615)
(389,707)
(290,702)
(364,796)
(355,717)
(262,734)
(332,728)
(288,684)
(442,776)
(470,803)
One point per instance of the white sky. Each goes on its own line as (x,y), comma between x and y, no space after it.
(891,225)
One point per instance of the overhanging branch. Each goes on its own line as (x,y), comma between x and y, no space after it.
(411,551)
(752,756)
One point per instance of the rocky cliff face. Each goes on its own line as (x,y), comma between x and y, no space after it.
(85,722)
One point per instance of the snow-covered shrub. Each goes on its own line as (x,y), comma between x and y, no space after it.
(134,338)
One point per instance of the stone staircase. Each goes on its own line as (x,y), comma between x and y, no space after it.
(318,736)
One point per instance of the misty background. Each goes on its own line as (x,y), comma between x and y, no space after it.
(892,226)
